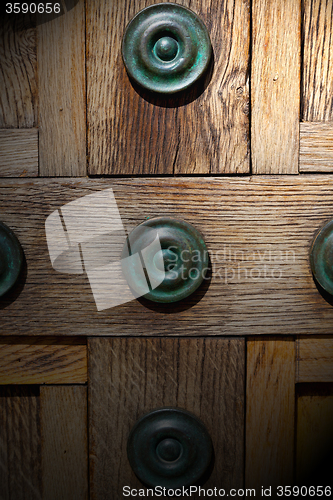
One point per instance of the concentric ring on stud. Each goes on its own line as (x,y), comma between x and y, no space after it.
(175,259)
(321,257)
(187,48)
(169,447)
(11,255)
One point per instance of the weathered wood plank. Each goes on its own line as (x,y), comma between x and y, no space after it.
(64,442)
(52,361)
(131,132)
(317,78)
(316,147)
(275,86)
(18,73)
(314,434)
(20,441)
(61,84)
(314,358)
(130,377)
(19,152)
(258,231)
(270,406)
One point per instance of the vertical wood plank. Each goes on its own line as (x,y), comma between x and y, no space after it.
(314,460)
(129,377)
(314,359)
(61,80)
(18,73)
(20,460)
(275,86)
(270,405)
(203,131)
(317,78)
(64,442)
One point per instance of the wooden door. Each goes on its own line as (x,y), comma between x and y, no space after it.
(247,158)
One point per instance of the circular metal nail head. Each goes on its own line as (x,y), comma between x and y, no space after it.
(169,447)
(175,257)
(11,259)
(321,257)
(166,48)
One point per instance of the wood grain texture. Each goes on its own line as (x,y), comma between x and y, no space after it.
(37,362)
(275,86)
(18,73)
(130,377)
(316,147)
(20,444)
(258,231)
(314,434)
(270,407)
(19,152)
(314,359)
(317,78)
(61,81)
(64,442)
(201,131)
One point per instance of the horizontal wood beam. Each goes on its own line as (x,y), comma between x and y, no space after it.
(258,231)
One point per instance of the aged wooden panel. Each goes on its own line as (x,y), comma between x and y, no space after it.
(64,442)
(314,357)
(201,131)
(275,86)
(51,361)
(61,84)
(20,444)
(317,78)
(19,152)
(314,459)
(18,73)
(270,406)
(316,147)
(130,377)
(258,232)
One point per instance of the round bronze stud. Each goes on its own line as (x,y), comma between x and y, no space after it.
(169,447)
(321,257)
(11,259)
(174,256)
(166,48)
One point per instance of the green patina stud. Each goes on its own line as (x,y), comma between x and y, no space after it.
(174,257)
(169,447)
(166,48)
(321,257)
(11,259)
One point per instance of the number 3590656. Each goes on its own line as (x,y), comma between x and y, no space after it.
(33,8)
